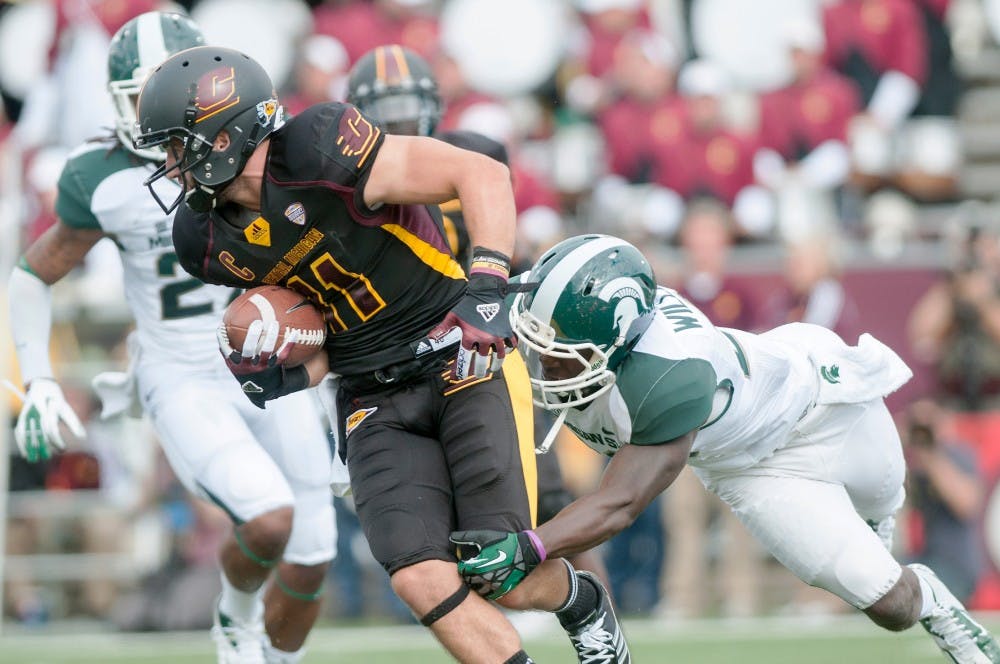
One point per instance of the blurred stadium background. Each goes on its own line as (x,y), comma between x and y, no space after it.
(834,161)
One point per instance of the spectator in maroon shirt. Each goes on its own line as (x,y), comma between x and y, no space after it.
(361,26)
(803,130)
(710,160)
(881,45)
(605,23)
(647,116)
(803,126)
(706,237)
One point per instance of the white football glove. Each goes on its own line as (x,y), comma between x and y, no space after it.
(38,426)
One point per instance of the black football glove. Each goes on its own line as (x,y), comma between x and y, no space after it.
(261,373)
(483,317)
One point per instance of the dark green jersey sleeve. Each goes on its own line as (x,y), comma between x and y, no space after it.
(666,398)
(81,176)
(73,199)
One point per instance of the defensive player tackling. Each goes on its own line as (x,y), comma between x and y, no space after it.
(788,427)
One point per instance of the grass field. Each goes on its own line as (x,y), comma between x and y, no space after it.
(767,641)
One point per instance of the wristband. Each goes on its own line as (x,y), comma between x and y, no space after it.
(488,262)
(536,541)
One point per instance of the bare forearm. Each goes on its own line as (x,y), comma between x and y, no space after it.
(488,209)
(584,524)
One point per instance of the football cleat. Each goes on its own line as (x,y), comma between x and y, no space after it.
(236,643)
(959,636)
(597,637)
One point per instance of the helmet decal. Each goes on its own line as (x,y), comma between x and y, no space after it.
(628,300)
(544,302)
(216,92)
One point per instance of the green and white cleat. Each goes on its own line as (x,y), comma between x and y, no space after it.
(959,636)
(236,643)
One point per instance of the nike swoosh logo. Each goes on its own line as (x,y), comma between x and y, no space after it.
(501,556)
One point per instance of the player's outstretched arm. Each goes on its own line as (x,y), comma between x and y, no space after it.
(493,562)
(45,410)
(635,476)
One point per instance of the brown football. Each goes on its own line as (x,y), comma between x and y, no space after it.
(292,311)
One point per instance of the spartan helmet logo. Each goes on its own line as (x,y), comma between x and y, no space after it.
(628,301)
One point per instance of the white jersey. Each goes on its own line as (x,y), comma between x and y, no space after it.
(101,187)
(743,392)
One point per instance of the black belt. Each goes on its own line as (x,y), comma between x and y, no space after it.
(429,357)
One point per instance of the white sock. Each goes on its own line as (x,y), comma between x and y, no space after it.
(240,606)
(927,602)
(275,656)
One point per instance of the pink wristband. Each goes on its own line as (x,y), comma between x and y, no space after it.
(537,542)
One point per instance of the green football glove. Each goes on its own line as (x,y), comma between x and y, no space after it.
(493,562)
(44,412)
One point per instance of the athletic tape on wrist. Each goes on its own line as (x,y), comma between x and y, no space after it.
(490,262)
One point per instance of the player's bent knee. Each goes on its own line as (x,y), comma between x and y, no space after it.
(268,533)
(899,608)
(301,582)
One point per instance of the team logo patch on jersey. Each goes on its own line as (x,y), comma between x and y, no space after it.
(830,374)
(258,232)
(356,418)
(488,311)
(296,213)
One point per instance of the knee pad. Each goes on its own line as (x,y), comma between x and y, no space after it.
(861,573)
(314,529)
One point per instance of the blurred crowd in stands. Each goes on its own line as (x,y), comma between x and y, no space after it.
(780,160)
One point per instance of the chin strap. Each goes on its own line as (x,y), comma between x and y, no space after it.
(550,437)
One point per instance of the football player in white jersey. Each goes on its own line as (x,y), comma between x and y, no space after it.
(789,427)
(267,469)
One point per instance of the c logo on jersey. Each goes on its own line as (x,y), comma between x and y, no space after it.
(357,135)
(216,93)
(229,262)
(356,418)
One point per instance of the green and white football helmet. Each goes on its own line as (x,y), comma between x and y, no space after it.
(137,47)
(593,300)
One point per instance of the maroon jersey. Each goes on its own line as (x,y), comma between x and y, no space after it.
(360,27)
(635,131)
(717,164)
(866,38)
(383,277)
(796,119)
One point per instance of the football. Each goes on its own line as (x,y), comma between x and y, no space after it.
(292,311)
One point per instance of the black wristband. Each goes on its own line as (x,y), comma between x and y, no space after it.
(490,262)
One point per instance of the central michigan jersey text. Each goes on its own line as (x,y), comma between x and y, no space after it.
(382,277)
